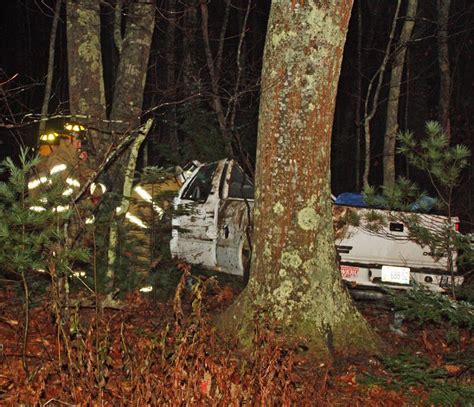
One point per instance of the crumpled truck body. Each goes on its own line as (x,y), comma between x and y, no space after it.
(212,227)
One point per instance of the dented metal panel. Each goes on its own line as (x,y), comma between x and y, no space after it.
(194,235)
(215,233)
(232,239)
(374,236)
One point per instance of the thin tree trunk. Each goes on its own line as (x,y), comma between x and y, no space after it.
(233,103)
(26,325)
(391,128)
(171,76)
(444,66)
(50,73)
(407,107)
(125,201)
(189,23)
(370,113)
(214,70)
(359,95)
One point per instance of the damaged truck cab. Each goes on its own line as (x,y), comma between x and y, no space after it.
(212,218)
(212,224)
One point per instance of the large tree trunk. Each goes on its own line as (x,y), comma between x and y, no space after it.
(129,87)
(295,280)
(132,69)
(444,69)
(394,96)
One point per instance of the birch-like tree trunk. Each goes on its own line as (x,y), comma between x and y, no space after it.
(125,200)
(295,280)
(391,128)
(444,67)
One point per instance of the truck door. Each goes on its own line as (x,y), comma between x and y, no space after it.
(194,225)
(233,245)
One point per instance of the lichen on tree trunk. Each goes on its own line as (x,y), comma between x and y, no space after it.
(295,281)
(85,71)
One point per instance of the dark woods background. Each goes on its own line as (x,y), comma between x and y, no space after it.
(183,93)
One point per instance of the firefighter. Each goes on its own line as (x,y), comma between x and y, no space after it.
(64,159)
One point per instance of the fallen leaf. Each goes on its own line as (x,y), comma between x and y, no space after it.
(349,378)
(453,369)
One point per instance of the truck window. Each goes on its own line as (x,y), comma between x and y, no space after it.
(200,186)
(240,185)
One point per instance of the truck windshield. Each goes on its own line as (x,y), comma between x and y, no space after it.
(200,186)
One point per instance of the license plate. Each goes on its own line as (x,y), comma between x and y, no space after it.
(349,271)
(399,275)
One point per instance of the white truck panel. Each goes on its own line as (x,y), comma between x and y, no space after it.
(215,234)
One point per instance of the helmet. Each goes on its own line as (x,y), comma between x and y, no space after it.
(46,142)
(49,138)
(73,128)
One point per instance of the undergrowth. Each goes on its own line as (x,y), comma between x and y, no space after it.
(427,307)
(170,360)
(444,387)
(446,382)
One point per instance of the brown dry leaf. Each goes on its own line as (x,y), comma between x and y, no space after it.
(349,378)
(453,369)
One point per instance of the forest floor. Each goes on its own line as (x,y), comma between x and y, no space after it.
(142,352)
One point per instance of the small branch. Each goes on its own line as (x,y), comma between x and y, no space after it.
(9,80)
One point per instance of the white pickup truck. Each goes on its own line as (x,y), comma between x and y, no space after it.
(211,227)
